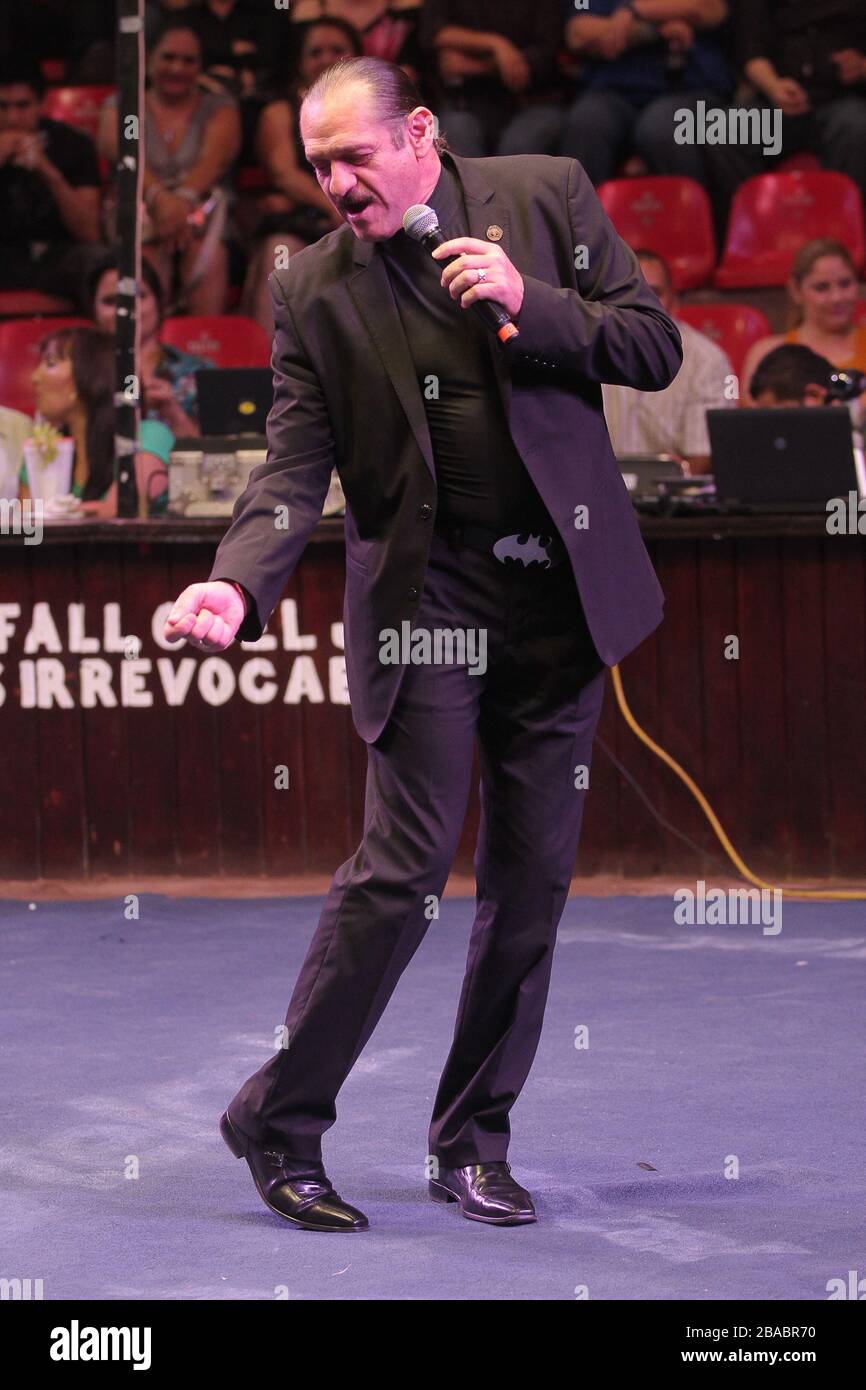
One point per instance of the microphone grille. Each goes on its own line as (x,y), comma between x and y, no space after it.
(419,220)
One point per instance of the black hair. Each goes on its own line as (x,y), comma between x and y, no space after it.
(93,371)
(786,372)
(295,50)
(109,262)
(349,32)
(178,22)
(393,92)
(22,69)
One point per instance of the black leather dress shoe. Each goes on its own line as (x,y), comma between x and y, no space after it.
(486,1192)
(307,1198)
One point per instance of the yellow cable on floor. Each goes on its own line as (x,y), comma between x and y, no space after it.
(847,893)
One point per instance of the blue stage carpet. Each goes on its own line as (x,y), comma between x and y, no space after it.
(124,1040)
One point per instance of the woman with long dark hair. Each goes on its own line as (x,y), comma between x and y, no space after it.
(74,385)
(167,373)
(387,28)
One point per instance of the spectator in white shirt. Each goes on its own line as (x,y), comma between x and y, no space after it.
(672,421)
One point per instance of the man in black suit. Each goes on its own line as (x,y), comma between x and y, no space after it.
(485,515)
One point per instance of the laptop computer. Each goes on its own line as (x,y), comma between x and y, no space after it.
(234,400)
(793,458)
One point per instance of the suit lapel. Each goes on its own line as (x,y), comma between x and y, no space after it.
(374,299)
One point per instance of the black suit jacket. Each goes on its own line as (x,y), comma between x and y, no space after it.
(345,394)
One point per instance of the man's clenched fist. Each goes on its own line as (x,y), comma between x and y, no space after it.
(208,615)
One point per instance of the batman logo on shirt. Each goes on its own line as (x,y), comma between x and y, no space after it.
(528,552)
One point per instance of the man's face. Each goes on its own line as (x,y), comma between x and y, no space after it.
(19,109)
(358,167)
(655,277)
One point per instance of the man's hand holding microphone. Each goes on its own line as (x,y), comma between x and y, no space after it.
(207,615)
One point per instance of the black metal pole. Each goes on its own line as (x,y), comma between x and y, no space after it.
(129,181)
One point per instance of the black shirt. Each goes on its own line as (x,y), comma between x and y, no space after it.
(480,476)
(799,36)
(533,26)
(29,215)
(219,33)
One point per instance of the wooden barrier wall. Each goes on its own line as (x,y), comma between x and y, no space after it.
(172,780)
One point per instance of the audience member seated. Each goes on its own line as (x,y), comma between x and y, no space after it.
(297,212)
(823,291)
(791,375)
(672,421)
(233,38)
(238,57)
(167,373)
(495,83)
(157,13)
(387,28)
(807,60)
(192,139)
(15,427)
(74,385)
(645,61)
(49,189)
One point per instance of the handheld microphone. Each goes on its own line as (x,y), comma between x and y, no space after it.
(421,224)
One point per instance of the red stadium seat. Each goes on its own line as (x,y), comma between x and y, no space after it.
(735,327)
(668,215)
(19,354)
(773,215)
(77,106)
(229,340)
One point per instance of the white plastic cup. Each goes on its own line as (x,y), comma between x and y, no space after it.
(49,480)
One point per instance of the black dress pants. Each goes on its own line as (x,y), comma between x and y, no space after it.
(533,710)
